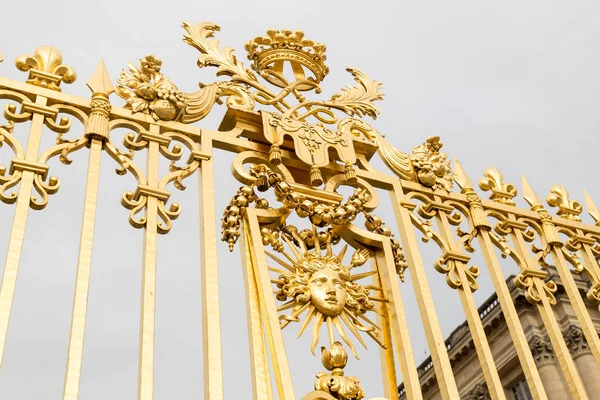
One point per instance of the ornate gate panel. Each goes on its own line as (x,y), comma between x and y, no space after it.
(311,257)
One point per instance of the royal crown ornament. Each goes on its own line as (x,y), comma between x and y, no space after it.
(270,54)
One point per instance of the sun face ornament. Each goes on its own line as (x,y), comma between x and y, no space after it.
(320,289)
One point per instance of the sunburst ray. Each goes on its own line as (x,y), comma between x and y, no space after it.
(294,316)
(342,332)
(342,253)
(292,247)
(286,306)
(316,329)
(280,261)
(362,275)
(353,329)
(317,242)
(309,317)
(330,331)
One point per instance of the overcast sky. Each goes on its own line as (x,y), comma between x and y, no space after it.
(509,84)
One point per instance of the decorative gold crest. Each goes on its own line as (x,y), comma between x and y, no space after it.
(322,287)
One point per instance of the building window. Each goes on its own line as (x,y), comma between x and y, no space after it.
(520,391)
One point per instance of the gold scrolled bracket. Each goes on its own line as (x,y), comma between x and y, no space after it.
(40,171)
(526,281)
(138,200)
(46,68)
(449,263)
(501,192)
(567,209)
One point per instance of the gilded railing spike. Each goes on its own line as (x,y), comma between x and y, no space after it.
(46,68)
(501,192)
(96,131)
(568,209)
(555,247)
(592,209)
(460,176)
(529,195)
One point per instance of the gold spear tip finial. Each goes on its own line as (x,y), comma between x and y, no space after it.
(528,194)
(100,81)
(592,209)
(461,177)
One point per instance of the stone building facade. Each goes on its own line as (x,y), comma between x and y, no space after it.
(465,365)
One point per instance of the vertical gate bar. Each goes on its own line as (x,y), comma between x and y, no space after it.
(545,309)
(433,331)
(211,314)
(511,317)
(17,234)
(96,130)
(482,347)
(398,323)
(261,377)
(388,365)
(592,267)
(550,235)
(513,323)
(281,366)
(587,325)
(148,311)
(82,282)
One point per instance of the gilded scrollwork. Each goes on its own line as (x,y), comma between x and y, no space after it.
(452,257)
(525,280)
(43,184)
(169,146)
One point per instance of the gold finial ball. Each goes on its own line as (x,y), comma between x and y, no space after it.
(280,47)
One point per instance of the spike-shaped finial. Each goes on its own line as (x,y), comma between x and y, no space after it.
(100,82)
(529,195)
(592,209)
(460,176)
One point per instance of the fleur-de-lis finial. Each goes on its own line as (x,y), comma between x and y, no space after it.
(568,209)
(592,209)
(46,68)
(501,192)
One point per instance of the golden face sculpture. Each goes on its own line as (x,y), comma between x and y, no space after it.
(327,291)
(323,289)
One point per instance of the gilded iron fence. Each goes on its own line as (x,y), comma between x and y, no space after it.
(295,266)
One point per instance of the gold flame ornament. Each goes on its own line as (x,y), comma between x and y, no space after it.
(334,382)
